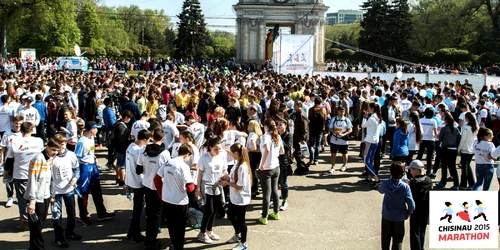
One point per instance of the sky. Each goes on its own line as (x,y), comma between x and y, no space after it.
(217,8)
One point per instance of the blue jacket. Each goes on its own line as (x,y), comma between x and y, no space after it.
(398,201)
(42,110)
(108,117)
(400,143)
(134,108)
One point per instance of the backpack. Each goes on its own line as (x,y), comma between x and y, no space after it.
(111,136)
(194,218)
(489,119)
(317,120)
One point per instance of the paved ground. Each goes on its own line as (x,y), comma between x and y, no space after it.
(326,212)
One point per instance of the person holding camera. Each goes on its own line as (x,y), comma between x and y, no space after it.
(340,127)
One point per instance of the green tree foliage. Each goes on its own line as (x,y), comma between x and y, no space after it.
(376,28)
(192,32)
(400,29)
(223,44)
(90,25)
(343,33)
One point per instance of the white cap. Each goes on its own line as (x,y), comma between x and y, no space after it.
(416,164)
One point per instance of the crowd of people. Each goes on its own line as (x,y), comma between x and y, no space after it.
(195,143)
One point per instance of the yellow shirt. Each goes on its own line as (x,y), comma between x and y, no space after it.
(244,103)
(182,101)
(151,108)
(142,104)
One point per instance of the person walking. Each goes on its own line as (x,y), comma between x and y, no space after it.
(465,149)
(340,127)
(372,138)
(271,147)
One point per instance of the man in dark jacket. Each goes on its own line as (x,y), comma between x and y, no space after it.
(300,136)
(420,185)
(132,106)
(120,141)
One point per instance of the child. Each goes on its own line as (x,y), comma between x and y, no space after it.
(484,153)
(397,206)
(420,185)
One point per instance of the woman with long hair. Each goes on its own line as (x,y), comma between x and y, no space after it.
(449,136)
(271,147)
(71,130)
(400,141)
(211,167)
(253,148)
(484,156)
(152,105)
(186,138)
(285,161)
(240,182)
(415,133)
(466,150)
(362,119)
(373,127)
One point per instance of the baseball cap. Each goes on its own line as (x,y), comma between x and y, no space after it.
(416,164)
(58,97)
(29,99)
(90,125)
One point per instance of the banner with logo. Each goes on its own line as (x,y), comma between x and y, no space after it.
(294,54)
(463,219)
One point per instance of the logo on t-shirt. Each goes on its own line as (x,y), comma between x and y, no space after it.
(217,167)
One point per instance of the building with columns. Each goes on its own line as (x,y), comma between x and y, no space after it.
(255,17)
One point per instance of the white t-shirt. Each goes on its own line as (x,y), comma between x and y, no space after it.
(151,166)
(138,126)
(342,125)
(62,172)
(412,144)
(5,114)
(495,154)
(462,116)
(176,176)
(213,168)
(192,161)
(23,149)
(243,196)
(198,131)
(132,179)
(179,118)
(428,126)
(7,138)
(84,150)
(272,160)
(482,150)
(483,113)
(31,115)
(253,137)
(230,137)
(405,105)
(171,132)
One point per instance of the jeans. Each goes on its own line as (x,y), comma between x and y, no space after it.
(176,223)
(135,224)
(212,203)
(120,159)
(388,136)
(448,162)
(283,181)
(69,201)
(369,158)
(314,147)
(395,231)
(269,182)
(36,227)
(20,186)
(428,148)
(254,165)
(236,214)
(484,175)
(467,178)
(418,226)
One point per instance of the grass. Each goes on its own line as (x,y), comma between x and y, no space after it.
(131,72)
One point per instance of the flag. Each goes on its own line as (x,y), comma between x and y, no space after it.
(272,34)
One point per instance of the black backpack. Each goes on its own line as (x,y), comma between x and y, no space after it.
(489,119)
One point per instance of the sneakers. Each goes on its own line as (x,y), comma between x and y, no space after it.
(85,221)
(240,246)
(234,239)
(332,170)
(106,216)
(62,244)
(10,202)
(275,216)
(213,236)
(23,225)
(203,237)
(74,236)
(263,220)
(284,206)
(343,168)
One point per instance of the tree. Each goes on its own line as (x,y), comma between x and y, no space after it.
(374,35)
(170,36)
(400,29)
(90,25)
(343,33)
(192,32)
